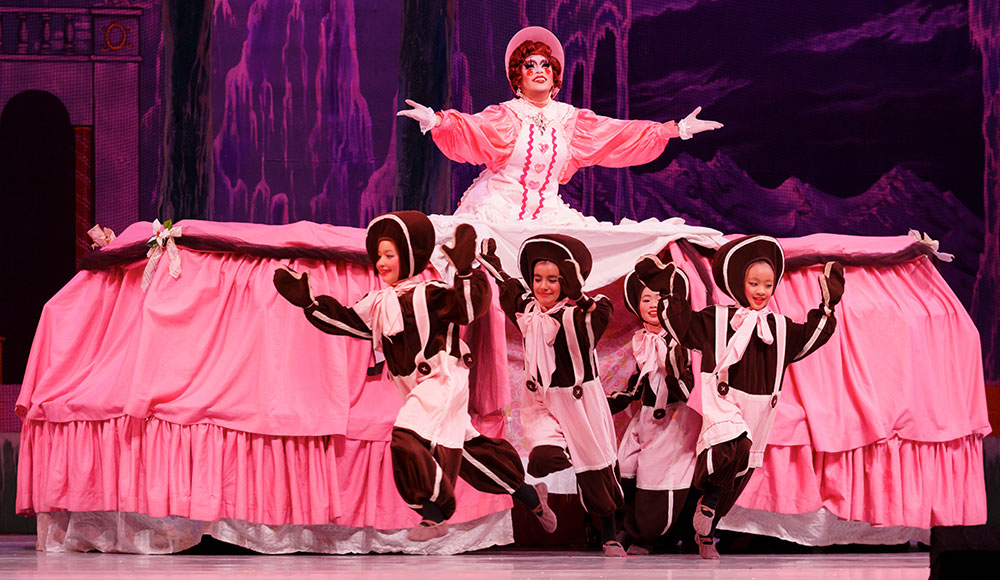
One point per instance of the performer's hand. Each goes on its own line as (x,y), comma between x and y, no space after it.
(618,401)
(423,115)
(831,283)
(489,259)
(463,252)
(294,286)
(571,279)
(679,285)
(654,274)
(691,124)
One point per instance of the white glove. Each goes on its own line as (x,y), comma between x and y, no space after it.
(423,115)
(691,124)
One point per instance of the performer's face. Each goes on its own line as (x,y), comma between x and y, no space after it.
(545,284)
(536,75)
(759,284)
(388,262)
(648,303)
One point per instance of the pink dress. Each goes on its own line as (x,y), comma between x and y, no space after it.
(528,151)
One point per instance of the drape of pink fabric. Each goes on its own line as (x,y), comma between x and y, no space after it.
(892,482)
(206,472)
(210,396)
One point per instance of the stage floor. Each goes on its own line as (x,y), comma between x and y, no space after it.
(19,559)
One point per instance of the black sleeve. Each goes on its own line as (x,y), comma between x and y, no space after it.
(620,400)
(514,297)
(332,317)
(464,301)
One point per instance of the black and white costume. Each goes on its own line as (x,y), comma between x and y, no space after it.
(744,356)
(415,325)
(563,405)
(657,455)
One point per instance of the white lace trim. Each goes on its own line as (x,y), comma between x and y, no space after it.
(133,533)
(819,528)
(557,113)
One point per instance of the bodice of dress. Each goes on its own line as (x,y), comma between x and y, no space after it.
(538,158)
(526,187)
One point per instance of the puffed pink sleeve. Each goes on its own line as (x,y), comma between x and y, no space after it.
(483,138)
(599,140)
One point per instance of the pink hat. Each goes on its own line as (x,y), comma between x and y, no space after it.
(535,34)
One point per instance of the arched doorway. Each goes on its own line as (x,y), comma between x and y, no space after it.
(37,217)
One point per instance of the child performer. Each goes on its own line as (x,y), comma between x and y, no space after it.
(745,351)
(415,324)
(563,406)
(657,454)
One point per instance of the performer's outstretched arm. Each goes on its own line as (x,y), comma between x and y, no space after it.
(687,327)
(593,314)
(599,140)
(805,338)
(514,293)
(469,297)
(323,312)
(485,138)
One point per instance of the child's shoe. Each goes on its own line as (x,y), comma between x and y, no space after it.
(427,530)
(703,518)
(612,549)
(637,550)
(706,547)
(546,516)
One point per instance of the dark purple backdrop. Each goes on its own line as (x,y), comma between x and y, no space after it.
(854,117)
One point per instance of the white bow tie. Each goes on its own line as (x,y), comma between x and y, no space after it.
(381,310)
(650,352)
(744,322)
(539,330)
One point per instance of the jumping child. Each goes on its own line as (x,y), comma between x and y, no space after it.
(415,324)
(563,406)
(745,350)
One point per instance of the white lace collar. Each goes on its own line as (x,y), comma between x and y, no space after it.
(553,113)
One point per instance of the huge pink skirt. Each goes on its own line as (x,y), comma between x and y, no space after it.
(208,404)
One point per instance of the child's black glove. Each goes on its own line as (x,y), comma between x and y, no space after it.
(654,274)
(667,279)
(463,252)
(294,286)
(489,259)
(571,279)
(831,283)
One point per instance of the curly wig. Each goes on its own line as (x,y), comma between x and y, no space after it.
(522,52)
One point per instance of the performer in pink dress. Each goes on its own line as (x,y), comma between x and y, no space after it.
(656,458)
(745,351)
(532,143)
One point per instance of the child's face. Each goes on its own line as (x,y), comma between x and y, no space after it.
(648,302)
(759,284)
(545,284)
(388,262)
